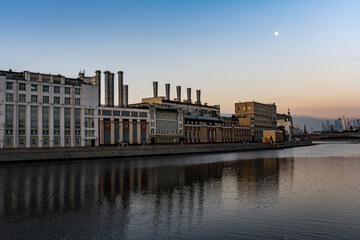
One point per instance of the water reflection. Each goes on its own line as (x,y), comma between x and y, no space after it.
(35,190)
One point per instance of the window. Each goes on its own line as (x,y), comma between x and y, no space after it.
(45,99)
(67,90)
(9,113)
(56,100)
(77,101)
(56,117)
(77,132)
(22,132)
(9,85)
(106,112)
(45,88)
(77,91)
(56,141)
(46,80)
(45,132)
(22,141)
(33,141)
(67,117)
(56,132)
(9,97)
(67,100)
(45,141)
(56,89)
(9,132)
(34,116)
(134,114)
(34,79)
(34,87)
(77,118)
(34,98)
(22,98)
(57,80)
(67,133)
(143,114)
(33,132)
(45,117)
(67,140)
(89,112)
(22,116)
(22,86)
(125,113)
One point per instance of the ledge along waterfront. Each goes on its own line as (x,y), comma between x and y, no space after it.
(295,193)
(53,154)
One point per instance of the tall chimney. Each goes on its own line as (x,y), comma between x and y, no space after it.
(125,95)
(178,92)
(155,87)
(120,88)
(198,95)
(167,91)
(189,95)
(109,89)
(98,83)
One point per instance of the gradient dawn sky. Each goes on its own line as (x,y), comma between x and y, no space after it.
(227,49)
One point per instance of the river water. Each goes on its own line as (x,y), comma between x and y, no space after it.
(299,193)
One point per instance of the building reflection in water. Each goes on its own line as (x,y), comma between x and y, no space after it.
(134,192)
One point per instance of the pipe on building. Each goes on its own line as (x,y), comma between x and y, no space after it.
(125,95)
(98,83)
(178,92)
(155,88)
(188,95)
(109,89)
(120,88)
(198,97)
(167,91)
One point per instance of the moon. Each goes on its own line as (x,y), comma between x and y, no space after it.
(276,33)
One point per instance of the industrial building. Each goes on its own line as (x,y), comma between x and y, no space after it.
(119,124)
(174,121)
(44,110)
(256,115)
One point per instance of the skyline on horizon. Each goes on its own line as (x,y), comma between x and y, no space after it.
(227,49)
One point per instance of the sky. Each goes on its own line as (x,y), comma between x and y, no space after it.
(227,49)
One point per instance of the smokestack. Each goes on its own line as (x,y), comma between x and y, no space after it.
(155,87)
(167,91)
(189,95)
(120,88)
(109,89)
(98,83)
(178,92)
(198,95)
(125,95)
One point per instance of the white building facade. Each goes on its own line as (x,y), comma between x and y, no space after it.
(43,110)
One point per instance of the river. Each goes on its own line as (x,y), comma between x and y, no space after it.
(298,193)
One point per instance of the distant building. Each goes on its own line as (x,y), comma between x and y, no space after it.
(286,122)
(256,115)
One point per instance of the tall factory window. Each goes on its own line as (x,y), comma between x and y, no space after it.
(22,116)
(77,101)
(9,113)
(67,90)
(143,114)
(56,117)
(77,118)
(67,101)
(45,117)
(77,91)
(34,116)
(67,117)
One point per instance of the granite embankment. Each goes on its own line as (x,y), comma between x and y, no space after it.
(87,153)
